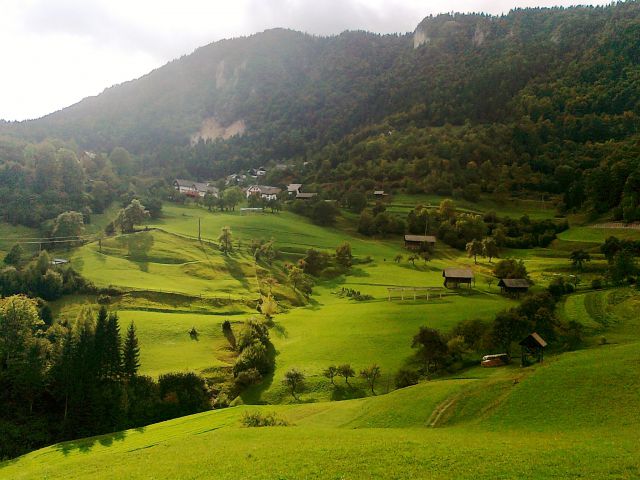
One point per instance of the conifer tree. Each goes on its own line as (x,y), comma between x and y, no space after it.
(100,342)
(131,354)
(113,348)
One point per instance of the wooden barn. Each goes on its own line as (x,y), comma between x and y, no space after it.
(532,346)
(514,286)
(419,242)
(453,277)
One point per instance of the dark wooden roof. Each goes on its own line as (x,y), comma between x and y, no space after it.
(533,340)
(514,283)
(305,195)
(457,273)
(420,238)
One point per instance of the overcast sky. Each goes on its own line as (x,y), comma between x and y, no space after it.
(56,52)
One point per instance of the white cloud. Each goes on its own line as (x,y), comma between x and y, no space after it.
(56,52)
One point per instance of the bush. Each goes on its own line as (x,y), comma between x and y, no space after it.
(104,299)
(226,326)
(183,393)
(405,378)
(248,377)
(596,283)
(221,401)
(257,419)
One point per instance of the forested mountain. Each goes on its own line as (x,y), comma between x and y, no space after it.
(539,99)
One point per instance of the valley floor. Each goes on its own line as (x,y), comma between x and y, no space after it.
(575,416)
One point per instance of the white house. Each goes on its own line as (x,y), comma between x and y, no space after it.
(266,192)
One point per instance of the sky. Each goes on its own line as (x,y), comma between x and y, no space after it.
(56,52)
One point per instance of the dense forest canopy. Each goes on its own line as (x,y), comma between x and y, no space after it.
(543,100)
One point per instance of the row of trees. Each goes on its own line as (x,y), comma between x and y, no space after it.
(294,379)
(39,277)
(436,351)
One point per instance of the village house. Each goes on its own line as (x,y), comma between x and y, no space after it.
(195,189)
(419,242)
(453,277)
(184,186)
(514,286)
(379,194)
(294,188)
(257,172)
(265,192)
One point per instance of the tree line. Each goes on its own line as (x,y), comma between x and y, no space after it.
(66,380)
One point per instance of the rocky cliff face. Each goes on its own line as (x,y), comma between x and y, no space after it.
(452,31)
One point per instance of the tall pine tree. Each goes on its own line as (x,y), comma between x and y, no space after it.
(131,354)
(113,349)
(100,343)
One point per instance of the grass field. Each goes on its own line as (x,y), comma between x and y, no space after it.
(575,416)
(159,261)
(515,208)
(331,329)
(524,431)
(598,235)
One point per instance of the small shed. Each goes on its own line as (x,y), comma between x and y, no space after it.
(453,277)
(532,346)
(419,242)
(514,286)
(379,194)
(59,261)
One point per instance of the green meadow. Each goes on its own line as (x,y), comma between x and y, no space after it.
(576,415)
(508,423)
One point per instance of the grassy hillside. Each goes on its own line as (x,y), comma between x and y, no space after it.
(162,266)
(531,430)
(548,421)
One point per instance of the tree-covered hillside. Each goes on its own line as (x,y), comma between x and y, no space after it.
(539,99)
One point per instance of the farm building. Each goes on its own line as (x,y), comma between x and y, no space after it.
(59,261)
(184,186)
(194,189)
(532,346)
(305,196)
(257,172)
(235,178)
(266,192)
(453,277)
(379,194)
(514,286)
(419,242)
(294,188)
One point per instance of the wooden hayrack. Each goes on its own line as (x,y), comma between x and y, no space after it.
(416,291)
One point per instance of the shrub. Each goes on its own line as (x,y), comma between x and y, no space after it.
(248,377)
(226,326)
(596,283)
(257,419)
(405,378)
(104,299)
(221,401)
